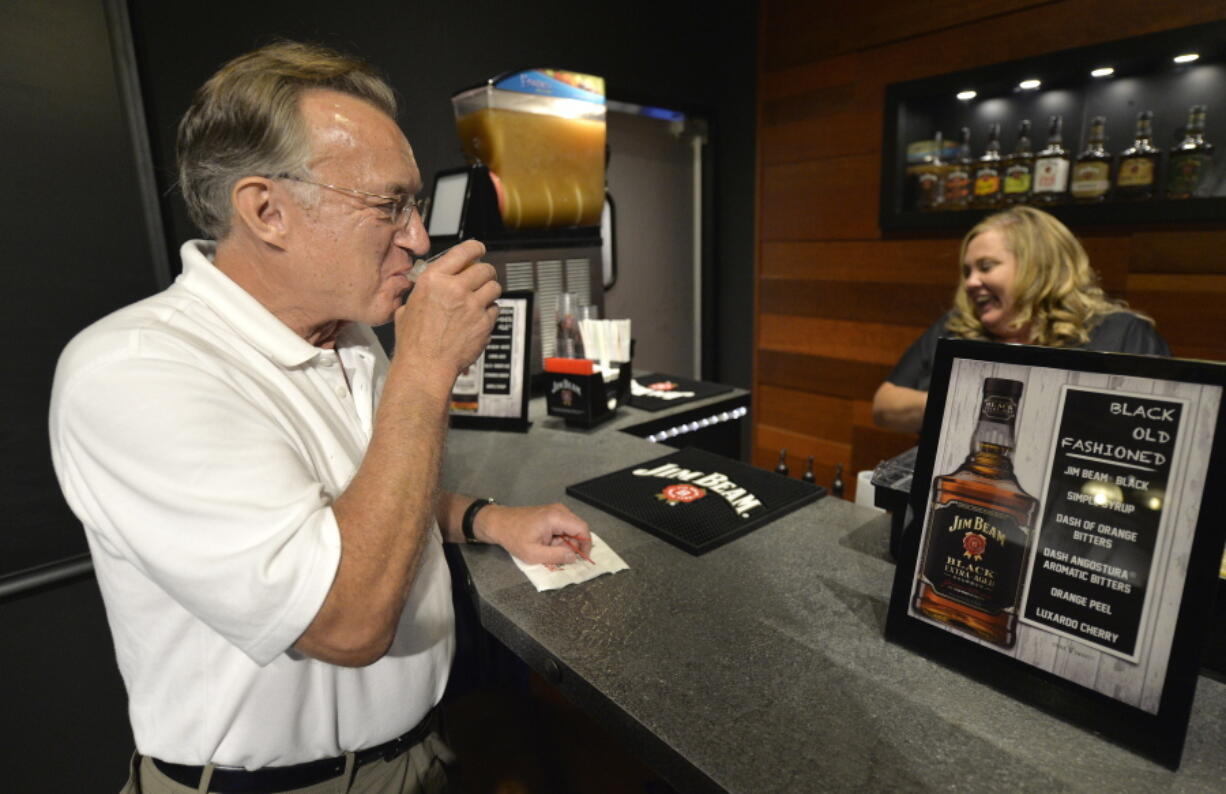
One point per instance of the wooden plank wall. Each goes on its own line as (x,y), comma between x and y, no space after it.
(836,303)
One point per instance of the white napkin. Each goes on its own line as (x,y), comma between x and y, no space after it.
(552,577)
(639,390)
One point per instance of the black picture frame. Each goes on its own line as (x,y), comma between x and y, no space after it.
(519,302)
(1156,732)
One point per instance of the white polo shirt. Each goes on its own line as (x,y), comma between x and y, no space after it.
(201,442)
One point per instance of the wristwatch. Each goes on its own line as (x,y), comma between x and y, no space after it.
(470,515)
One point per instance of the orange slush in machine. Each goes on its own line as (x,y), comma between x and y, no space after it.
(541,133)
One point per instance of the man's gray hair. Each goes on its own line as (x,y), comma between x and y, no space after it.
(246,121)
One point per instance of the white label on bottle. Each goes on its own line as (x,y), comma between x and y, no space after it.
(1050,175)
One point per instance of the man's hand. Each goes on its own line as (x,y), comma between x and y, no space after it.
(447,319)
(534,534)
(384,513)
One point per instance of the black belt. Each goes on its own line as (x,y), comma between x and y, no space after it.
(271,779)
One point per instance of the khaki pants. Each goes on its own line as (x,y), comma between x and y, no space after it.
(421,770)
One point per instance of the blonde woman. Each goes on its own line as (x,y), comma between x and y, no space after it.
(1025,279)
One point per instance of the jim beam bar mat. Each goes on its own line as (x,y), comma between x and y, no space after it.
(696,500)
(664,391)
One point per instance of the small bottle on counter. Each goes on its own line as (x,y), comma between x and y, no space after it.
(808,475)
(837,486)
(782,466)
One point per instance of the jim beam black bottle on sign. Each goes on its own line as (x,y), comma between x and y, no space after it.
(1138,171)
(979,527)
(1191,163)
(957,183)
(1051,166)
(1092,174)
(1019,166)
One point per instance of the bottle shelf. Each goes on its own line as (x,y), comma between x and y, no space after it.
(1145,77)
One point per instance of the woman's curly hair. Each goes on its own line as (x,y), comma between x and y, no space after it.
(1057,292)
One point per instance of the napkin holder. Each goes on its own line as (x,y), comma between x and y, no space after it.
(587,400)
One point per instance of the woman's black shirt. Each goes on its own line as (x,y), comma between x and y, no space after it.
(1119,332)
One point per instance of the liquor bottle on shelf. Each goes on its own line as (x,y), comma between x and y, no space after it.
(836,487)
(808,475)
(1191,164)
(927,175)
(988,173)
(978,529)
(1019,167)
(956,185)
(1051,166)
(782,466)
(1092,173)
(1138,169)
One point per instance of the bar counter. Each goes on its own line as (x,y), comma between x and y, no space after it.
(761,666)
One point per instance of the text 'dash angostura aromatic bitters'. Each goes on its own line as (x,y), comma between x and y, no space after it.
(979,525)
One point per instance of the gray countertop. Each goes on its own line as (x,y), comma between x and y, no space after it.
(762,666)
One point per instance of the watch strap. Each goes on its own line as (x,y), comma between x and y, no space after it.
(470,515)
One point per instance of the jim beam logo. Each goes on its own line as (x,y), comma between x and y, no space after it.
(999,409)
(974,543)
(570,390)
(681,493)
(741,500)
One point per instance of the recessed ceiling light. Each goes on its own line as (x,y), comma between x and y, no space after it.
(1103,71)
(967,95)
(1029,85)
(1187,57)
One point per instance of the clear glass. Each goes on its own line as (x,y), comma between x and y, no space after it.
(569,342)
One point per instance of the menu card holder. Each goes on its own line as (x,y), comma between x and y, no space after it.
(492,393)
(587,400)
(1071,560)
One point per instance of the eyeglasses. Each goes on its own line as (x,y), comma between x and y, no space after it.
(399,209)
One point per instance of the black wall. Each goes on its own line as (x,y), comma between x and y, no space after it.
(77,245)
(75,242)
(680,55)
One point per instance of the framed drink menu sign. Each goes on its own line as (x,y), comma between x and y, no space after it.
(1068,538)
(492,394)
